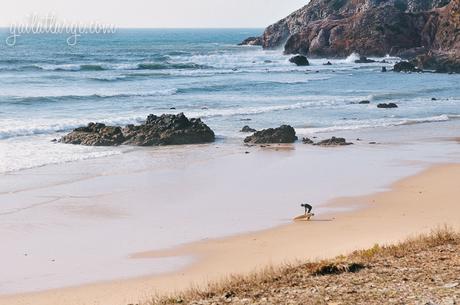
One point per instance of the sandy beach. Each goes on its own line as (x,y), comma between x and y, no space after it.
(414,205)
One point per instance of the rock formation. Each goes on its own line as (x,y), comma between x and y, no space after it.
(167,129)
(334,142)
(283,134)
(299,60)
(407,28)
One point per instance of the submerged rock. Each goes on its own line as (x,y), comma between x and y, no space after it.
(247,129)
(282,134)
(299,60)
(334,142)
(168,129)
(307,141)
(387,106)
(364,102)
(364,60)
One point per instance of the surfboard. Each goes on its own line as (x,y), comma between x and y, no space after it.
(305,217)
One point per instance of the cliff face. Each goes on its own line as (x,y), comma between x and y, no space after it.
(337,28)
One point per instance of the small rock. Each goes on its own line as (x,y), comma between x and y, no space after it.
(307,141)
(333,142)
(299,60)
(387,106)
(364,102)
(247,129)
(328,64)
(434,99)
(384,69)
(405,66)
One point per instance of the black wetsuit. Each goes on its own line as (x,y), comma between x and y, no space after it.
(308,208)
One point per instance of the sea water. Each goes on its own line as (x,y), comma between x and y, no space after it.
(47,88)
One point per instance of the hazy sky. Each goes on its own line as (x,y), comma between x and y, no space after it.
(155,13)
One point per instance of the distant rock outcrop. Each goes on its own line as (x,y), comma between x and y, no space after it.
(167,129)
(283,134)
(406,28)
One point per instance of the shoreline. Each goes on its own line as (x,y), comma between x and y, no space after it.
(382,220)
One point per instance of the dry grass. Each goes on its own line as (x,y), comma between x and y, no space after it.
(418,271)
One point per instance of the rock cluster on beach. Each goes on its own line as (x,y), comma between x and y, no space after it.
(328,142)
(425,32)
(282,134)
(168,129)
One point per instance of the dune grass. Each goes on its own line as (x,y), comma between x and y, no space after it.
(311,282)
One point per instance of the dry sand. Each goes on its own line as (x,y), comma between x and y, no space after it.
(414,205)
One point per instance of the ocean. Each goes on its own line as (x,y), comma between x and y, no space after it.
(47,88)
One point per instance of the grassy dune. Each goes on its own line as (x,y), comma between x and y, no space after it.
(422,270)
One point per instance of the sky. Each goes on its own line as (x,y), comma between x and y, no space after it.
(154,13)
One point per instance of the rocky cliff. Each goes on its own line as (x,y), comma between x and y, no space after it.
(337,28)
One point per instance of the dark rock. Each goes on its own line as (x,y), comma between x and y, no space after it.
(172,108)
(387,106)
(434,99)
(405,66)
(268,61)
(307,141)
(247,129)
(364,60)
(167,129)
(334,269)
(333,142)
(283,134)
(299,60)
(252,41)
(384,69)
(95,134)
(328,63)
(364,102)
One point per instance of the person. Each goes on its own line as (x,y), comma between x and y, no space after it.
(307,207)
